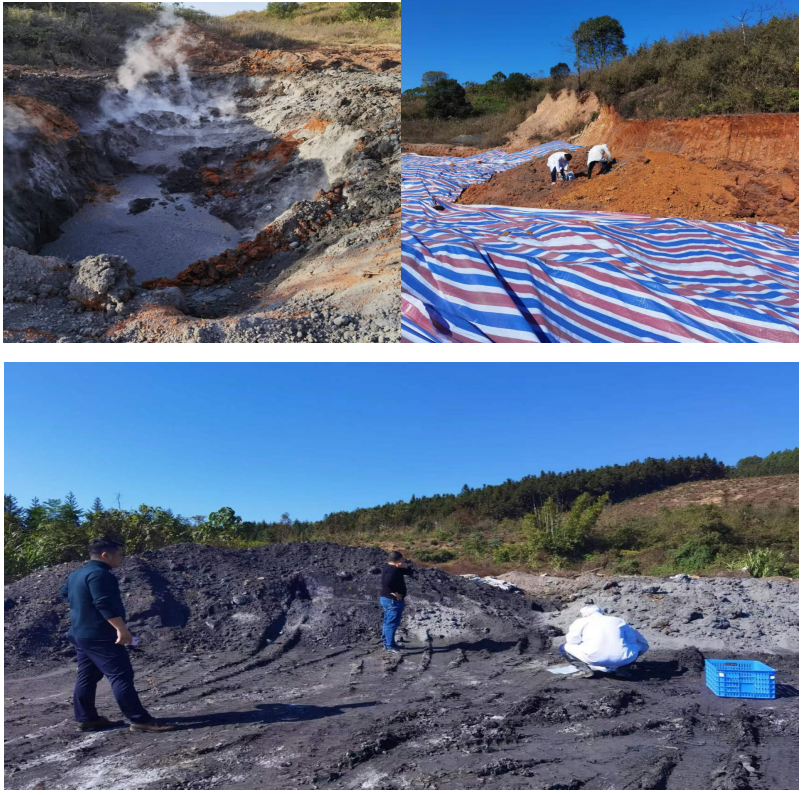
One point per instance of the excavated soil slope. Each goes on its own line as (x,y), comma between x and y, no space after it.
(555,118)
(268,662)
(657,184)
(762,138)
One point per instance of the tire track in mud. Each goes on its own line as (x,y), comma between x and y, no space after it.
(739,769)
(655,777)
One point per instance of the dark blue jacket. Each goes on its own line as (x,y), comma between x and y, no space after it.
(94,596)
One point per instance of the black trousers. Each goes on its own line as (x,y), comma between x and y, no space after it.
(605,167)
(99,658)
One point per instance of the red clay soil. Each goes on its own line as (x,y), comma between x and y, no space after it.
(658,184)
(52,124)
(760,138)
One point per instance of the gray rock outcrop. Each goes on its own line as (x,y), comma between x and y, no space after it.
(103,282)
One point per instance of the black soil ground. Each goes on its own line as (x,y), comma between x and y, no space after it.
(269,662)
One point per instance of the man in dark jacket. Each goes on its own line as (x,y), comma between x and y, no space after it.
(392,598)
(99,634)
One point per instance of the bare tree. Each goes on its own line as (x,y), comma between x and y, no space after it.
(755,15)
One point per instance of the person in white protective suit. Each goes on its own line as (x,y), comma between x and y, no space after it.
(558,164)
(598,154)
(602,643)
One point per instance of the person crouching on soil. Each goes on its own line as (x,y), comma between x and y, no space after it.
(392,598)
(599,154)
(557,164)
(99,635)
(597,642)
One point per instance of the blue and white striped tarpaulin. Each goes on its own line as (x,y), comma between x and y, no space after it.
(509,274)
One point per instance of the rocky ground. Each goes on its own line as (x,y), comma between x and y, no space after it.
(269,208)
(268,661)
(726,614)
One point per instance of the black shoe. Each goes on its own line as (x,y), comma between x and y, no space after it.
(623,673)
(153,726)
(99,724)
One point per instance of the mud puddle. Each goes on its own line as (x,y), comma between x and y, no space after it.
(157,242)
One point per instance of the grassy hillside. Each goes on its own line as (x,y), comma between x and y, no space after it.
(311,23)
(81,35)
(733,70)
(94,35)
(651,516)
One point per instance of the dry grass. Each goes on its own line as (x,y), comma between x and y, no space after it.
(494,127)
(314,24)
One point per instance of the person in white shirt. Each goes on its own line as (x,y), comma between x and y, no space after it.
(602,643)
(598,154)
(557,164)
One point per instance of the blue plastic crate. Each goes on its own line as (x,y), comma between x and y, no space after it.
(740,679)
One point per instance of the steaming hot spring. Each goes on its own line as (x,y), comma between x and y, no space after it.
(212,171)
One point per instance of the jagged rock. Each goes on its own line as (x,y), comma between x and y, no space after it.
(136,206)
(102,282)
(167,296)
(26,275)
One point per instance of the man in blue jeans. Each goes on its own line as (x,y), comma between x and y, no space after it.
(99,634)
(392,598)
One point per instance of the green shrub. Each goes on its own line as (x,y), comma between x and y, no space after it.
(696,554)
(764,562)
(511,553)
(436,555)
(565,534)
(626,567)
(476,546)
(282,10)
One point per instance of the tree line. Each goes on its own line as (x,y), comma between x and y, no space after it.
(57,531)
(750,66)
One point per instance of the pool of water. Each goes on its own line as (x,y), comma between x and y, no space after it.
(159,242)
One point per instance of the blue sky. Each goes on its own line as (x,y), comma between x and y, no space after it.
(473,39)
(314,438)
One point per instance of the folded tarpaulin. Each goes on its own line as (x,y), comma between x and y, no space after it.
(480,273)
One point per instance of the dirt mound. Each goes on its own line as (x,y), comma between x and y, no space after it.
(196,598)
(762,138)
(657,184)
(555,117)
